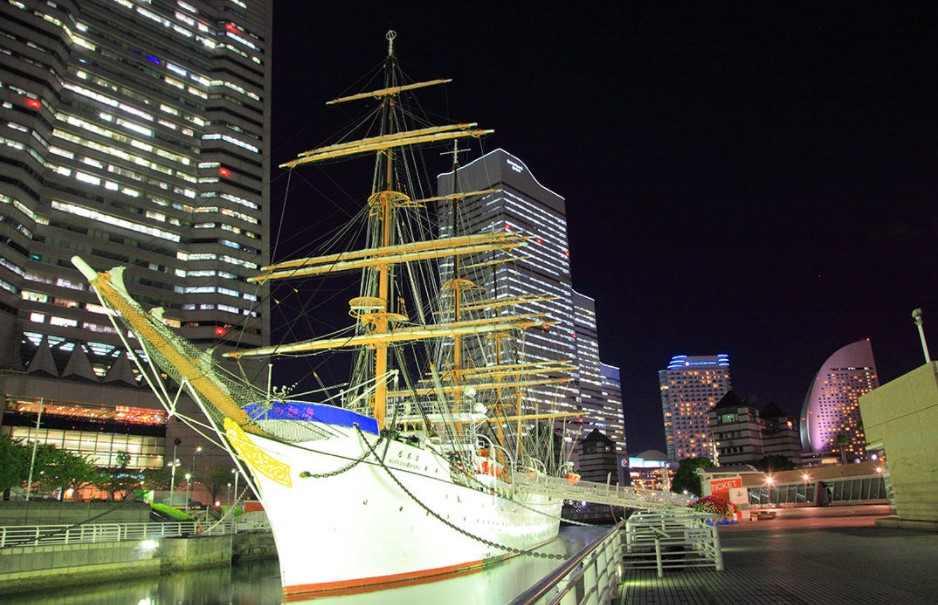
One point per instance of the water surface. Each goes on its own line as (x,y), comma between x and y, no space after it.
(258,583)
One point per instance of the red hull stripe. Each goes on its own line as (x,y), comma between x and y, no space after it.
(302,591)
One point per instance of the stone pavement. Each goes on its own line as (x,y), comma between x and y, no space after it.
(782,562)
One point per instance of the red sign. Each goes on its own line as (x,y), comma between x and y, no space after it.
(721,487)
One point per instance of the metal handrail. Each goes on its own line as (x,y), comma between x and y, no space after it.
(593,573)
(42,535)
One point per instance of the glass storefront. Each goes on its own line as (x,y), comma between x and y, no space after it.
(101,448)
(99,432)
(856,490)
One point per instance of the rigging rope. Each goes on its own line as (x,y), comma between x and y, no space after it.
(437,516)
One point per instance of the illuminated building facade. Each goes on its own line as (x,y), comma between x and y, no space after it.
(830,416)
(133,134)
(736,431)
(614,412)
(541,270)
(690,387)
(600,392)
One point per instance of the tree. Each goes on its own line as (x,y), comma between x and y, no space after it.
(57,469)
(14,464)
(686,477)
(216,480)
(157,478)
(117,479)
(842,440)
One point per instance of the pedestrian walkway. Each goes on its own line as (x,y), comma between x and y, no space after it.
(774,563)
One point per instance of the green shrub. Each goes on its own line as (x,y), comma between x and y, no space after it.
(169,511)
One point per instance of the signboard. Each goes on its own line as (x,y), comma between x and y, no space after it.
(692,536)
(721,487)
(739,495)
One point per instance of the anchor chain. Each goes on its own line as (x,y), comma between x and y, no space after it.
(438,517)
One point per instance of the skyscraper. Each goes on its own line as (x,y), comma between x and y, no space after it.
(830,416)
(615,416)
(134,134)
(540,275)
(600,393)
(690,387)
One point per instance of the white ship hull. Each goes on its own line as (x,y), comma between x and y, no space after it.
(372,525)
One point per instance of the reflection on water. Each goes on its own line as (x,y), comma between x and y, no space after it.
(258,583)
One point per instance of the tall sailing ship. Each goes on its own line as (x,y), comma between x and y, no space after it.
(416,468)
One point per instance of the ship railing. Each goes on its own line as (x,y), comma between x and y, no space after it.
(590,577)
(42,535)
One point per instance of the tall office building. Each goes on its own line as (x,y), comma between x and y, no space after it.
(690,387)
(615,416)
(135,134)
(540,272)
(600,394)
(830,416)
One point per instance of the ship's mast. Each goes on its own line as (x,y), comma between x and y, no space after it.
(382,203)
(457,284)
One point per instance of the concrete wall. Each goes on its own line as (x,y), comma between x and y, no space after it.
(39,567)
(195,553)
(902,415)
(257,545)
(45,512)
(30,568)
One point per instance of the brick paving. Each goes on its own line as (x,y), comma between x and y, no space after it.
(777,564)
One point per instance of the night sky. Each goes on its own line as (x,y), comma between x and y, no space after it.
(760,184)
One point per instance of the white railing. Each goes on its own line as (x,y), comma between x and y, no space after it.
(600,493)
(671,539)
(590,577)
(42,535)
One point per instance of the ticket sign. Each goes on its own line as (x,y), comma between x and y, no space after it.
(722,487)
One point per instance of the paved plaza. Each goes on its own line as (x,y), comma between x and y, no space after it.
(824,560)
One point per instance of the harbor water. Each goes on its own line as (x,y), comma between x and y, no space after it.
(258,583)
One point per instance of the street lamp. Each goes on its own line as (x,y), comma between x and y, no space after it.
(235,472)
(198,451)
(188,485)
(175,463)
(805,477)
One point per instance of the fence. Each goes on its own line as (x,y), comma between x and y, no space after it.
(588,578)
(671,540)
(36,535)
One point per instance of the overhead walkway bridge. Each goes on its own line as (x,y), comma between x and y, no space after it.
(600,493)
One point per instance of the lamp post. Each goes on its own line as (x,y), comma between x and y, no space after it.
(804,478)
(235,472)
(198,451)
(32,459)
(917,317)
(175,463)
(188,485)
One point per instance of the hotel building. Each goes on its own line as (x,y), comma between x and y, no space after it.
(133,134)
(830,416)
(690,387)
